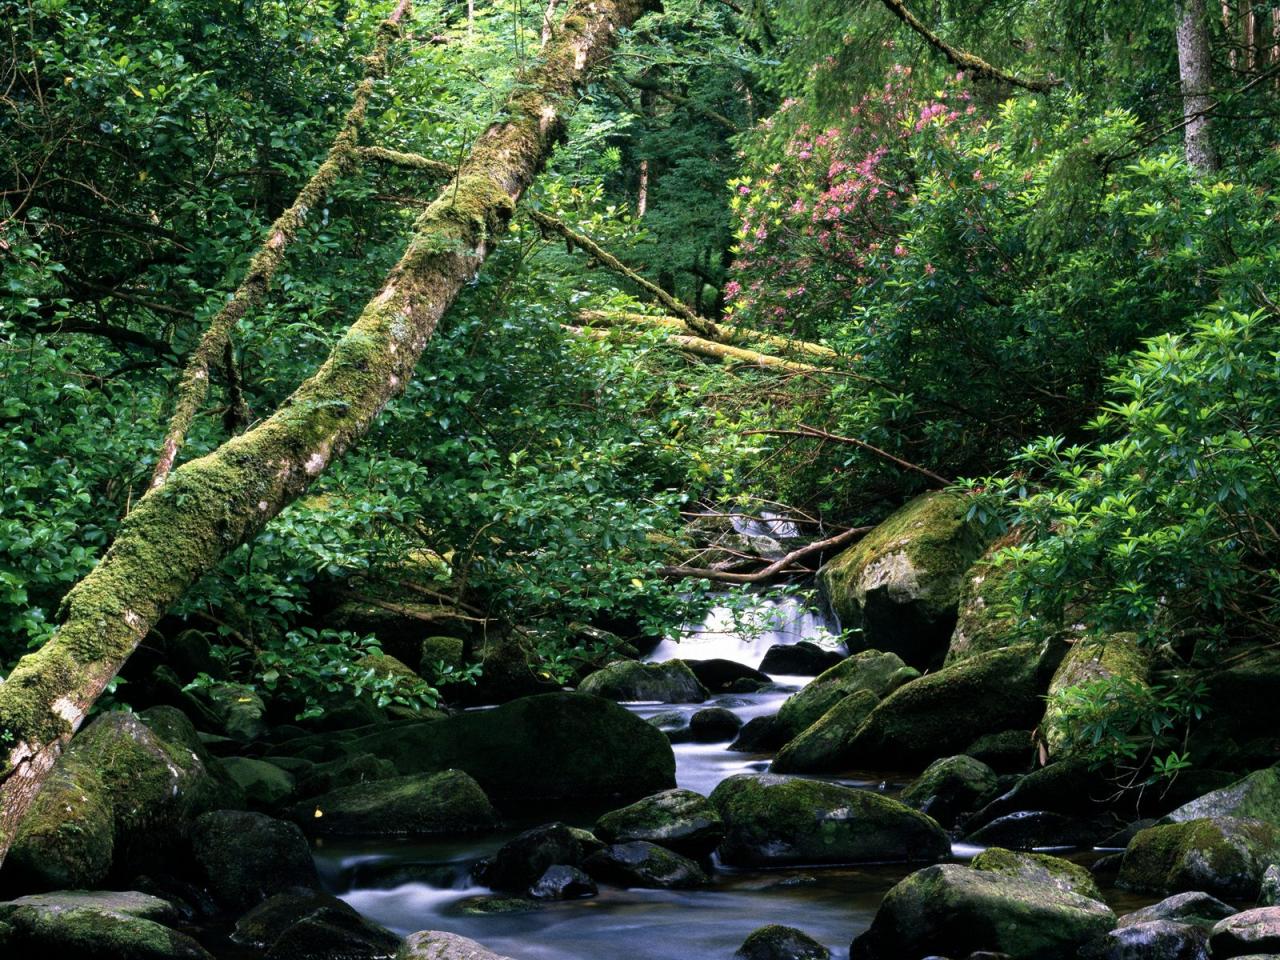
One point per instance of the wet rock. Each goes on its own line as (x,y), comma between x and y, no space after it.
(1194,908)
(1124,836)
(871,670)
(722,676)
(940,714)
(984,616)
(239,711)
(265,785)
(901,583)
(801,659)
(439,945)
(1256,796)
(1065,786)
(641,864)
(521,861)
(1029,829)
(412,806)
(1153,940)
(950,787)
(1038,868)
(1269,895)
(824,745)
(759,735)
(714,725)
(313,926)
(680,820)
(344,772)
(1223,856)
(631,680)
(1116,656)
(1009,751)
(494,906)
(776,942)
(772,821)
(243,858)
(1252,932)
(101,925)
(562,882)
(673,723)
(956,910)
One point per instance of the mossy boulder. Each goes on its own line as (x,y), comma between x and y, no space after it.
(801,659)
(680,820)
(874,671)
(120,800)
(265,785)
(1223,856)
(1038,868)
(242,858)
(1031,829)
(958,910)
(901,583)
(1269,895)
(441,945)
(563,882)
(1250,933)
(631,680)
(984,616)
(237,709)
(345,771)
(100,925)
(642,864)
(714,725)
(521,861)
(774,821)
(942,713)
(1256,796)
(776,942)
(548,747)
(950,787)
(1153,940)
(1193,908)
(307,925)
(1114,657)
(438,650)
(413,806)
(1009,751)
(727,676)
(824,744)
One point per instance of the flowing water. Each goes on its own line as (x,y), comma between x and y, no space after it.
(416,886)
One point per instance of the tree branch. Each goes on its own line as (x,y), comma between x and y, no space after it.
(813,433)
(773,569)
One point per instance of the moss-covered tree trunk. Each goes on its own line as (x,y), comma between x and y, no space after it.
(181,530)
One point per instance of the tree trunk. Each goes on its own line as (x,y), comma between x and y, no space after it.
(1196,73)
(180,531)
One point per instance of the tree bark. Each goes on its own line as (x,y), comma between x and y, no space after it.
(181,530)
(1195,70)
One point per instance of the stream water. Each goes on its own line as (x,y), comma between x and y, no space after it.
(417,886)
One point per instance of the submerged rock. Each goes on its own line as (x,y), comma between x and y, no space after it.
(776,942)
(680,820)
(955,910)
(631,680)
(1252,932)
(801,659)
(494,906)
(100,925)
(243,858)
(413,806)
(901,583)
(641,864)
(950,787)
(771,820)
(1038,868)
(1223,856)
(439,945)
(824,745)
(871,670)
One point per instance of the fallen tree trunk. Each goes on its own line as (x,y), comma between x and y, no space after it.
(710,348)
(727,333)
(182,529)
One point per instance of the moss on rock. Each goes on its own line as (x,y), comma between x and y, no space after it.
(631,680)
(1117,656)
(875,671)
(104,926)
(680,820)
(1256,796)
(776,942)
(950,787)
(416,805)
(1038,868)
(984,616)
(824,744)
(1223,856)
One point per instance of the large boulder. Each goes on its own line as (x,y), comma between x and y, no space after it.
(680,820)
(985,620)
(265,785)
(714,725)
(1193,908)
(439,945)
(101,925)
(801,659)
(773,821)
(243,858)
(875,671)
(554,746)
(121,800)
(1241,727)
(641,864)
(1256,796)
(950,787)
(1253,932)
(824,744)
(236,707)
(1116,657)
(414,806)
(1224,856)
(727,676)
(901,583)
(1038,868)
(631,680)
(942,713)
(957,910)
(1153,940)
(776,942)
(521,861)
(312,926)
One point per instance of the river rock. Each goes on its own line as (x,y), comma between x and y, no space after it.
(985,619)
(562,882)
(439,945)
(237,707)
(345,771)
(1029,829)
(414,806)
(1116,657)
(554,746)
(1152,940)
(942,713)
(265,785)
(759,735)
(120,800)
(1009,751)
(243,858)
(101,925)
(1065,786)
(801,659)
(1194,908)
(824,745)
(673,723)
(776,942)
(1257,796)
(680,820)
(714,725)
(773,821)
(521,861)
(872,670)
(726,676)
(1038,868)
(313,926)
(1241,727)
(1254,931)
(631,680)
(1223,856)
(950,787)
(641,864)
(901,583)
(957,910)
(1269,895)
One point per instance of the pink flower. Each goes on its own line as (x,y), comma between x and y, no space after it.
(899,250)
(930,269)
(744,190)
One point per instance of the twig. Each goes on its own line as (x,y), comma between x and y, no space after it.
(813,433)
(778,566)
